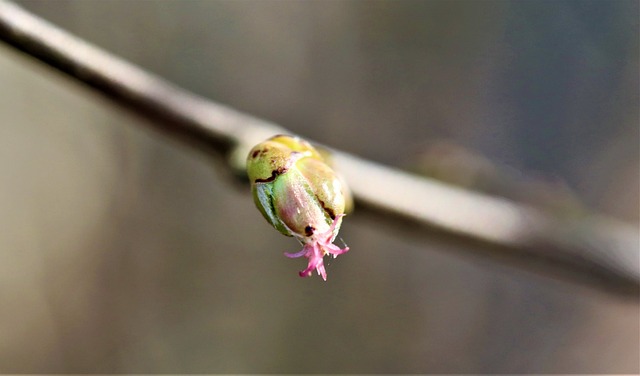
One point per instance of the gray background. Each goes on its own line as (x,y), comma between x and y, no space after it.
(122,251)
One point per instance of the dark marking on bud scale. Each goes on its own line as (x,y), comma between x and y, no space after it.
(258,152)
(274,174)
(308,231)
(329,211)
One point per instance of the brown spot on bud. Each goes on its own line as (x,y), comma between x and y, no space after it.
(308,231)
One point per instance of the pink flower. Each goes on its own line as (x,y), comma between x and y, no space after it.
(316,247)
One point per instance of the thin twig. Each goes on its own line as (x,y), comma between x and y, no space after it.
(594,249)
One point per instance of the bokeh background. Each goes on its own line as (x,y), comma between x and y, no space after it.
(123,251)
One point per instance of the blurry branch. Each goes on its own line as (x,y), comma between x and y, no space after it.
(594,249)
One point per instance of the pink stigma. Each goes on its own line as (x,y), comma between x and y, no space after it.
(316,248)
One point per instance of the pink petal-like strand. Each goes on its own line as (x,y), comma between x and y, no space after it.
(316,248)
(297,254)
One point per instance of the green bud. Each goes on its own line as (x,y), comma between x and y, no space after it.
(300,195)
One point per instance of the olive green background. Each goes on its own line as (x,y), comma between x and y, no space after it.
(123,251)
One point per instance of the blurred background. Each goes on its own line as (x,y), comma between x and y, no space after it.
(123,251)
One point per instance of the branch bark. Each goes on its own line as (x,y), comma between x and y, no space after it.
(595,249)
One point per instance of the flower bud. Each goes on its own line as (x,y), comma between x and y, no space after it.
(299,195)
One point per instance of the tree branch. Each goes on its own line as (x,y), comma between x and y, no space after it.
(596,249)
